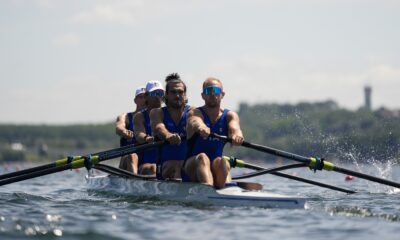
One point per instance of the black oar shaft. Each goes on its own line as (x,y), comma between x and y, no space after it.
(255,167)
(81,162)
(311,161)
(276,152)
(29,170)
(313,182)
(103,154)
(367,177)
(34,174)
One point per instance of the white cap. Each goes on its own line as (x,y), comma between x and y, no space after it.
(140,90)
(153,85)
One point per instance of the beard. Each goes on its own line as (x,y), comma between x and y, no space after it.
(212,104)
(177,103)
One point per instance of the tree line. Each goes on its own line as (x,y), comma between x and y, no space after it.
(309,129)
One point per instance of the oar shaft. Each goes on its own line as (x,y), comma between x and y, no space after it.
(269,150)
(34,174)
(103,154)
(367,177)
(313,182)
(255,167)
(315,163)
(25,171)
(81,162)
(277,152)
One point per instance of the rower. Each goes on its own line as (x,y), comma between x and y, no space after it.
(153,98)
(169,123)
(205,163)
(124,128)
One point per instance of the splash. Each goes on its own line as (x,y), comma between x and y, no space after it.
(381,169)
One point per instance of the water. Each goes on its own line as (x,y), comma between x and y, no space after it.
(59,205)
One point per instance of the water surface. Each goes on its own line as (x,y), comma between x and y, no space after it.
(60,205)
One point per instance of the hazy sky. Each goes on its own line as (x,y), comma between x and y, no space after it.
(73,61)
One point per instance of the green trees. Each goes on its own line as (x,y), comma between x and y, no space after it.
(321,129)
(310,129)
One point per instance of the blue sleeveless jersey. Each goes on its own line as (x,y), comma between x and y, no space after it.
(212,147)
(151,155)
(175,152)
(124,141)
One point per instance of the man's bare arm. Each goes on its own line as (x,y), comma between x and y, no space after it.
(159,128)
(234,131)
(120,127)
(140,130)
(196,123)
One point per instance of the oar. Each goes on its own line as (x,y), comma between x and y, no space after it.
(86,161)
(60,162)
(313,162)
(274,171)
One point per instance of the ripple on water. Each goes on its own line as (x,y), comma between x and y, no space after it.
(44,210)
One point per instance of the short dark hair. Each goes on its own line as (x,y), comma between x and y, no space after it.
(173,78)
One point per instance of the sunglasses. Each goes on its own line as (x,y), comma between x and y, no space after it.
(156,94)
(212,89)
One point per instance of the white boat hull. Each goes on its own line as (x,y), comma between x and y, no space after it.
(192,192)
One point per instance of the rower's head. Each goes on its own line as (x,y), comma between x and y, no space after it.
(154,94)
(140,99)
(213,92)
(175,91)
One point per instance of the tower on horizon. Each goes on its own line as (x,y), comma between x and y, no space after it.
(367,95)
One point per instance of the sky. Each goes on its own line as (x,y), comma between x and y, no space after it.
(73,61)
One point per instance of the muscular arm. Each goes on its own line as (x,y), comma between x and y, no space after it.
(120,126)
(196,123)
(234,131)
(157,124)
(159,129)
(140,130)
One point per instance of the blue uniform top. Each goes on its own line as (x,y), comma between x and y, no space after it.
(175,152)
(124,141)
(150,155)
(212,147)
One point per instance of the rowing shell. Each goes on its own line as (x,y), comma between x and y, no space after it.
(192,192)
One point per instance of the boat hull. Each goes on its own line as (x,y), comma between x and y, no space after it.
(192,192)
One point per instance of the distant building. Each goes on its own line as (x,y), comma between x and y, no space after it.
(367,95)
(17,146)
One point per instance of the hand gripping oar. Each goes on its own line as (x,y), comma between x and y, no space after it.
(234,162)
(313,162)
(79,162)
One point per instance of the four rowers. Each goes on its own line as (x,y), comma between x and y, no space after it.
(189,152)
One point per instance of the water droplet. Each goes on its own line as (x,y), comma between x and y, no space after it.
(29,231)
(53,218)
(57,232)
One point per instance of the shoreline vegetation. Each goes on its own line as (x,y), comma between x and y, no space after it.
(311,129)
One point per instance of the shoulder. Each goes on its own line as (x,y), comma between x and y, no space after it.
(122,116)
(138,115)
(195,112)
(156,113)
(232,115)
